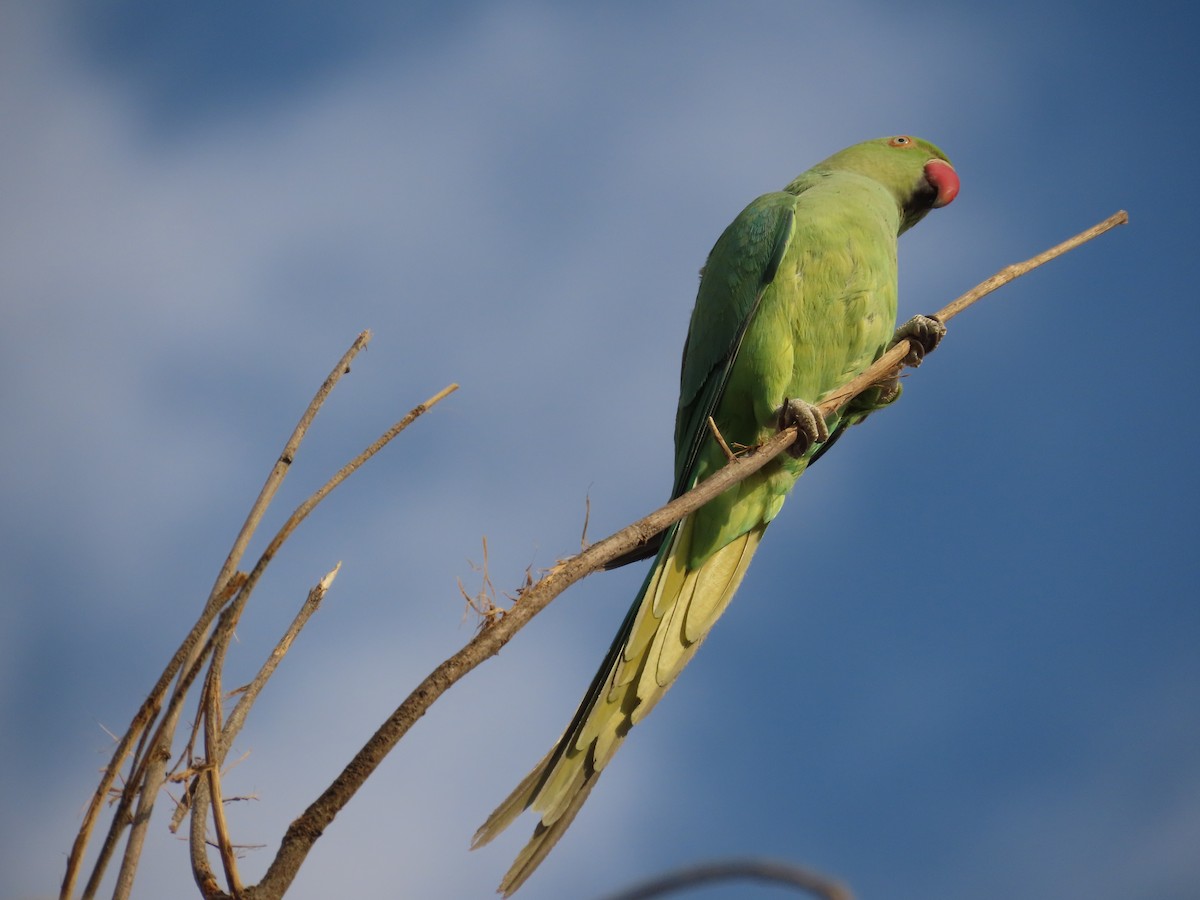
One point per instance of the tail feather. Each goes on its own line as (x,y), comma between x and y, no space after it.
(671,617)
(716,584)
(665,581)
(556,797)
(515,804)
(545,836)
(703,596)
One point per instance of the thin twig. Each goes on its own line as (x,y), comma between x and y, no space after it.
(251,691)
(484,602)
(311,603)
(202,872)
(214,751)
(767,870)
(587,517)
(208,711)
(224,845)
(351,467)
(122,817)
(303,833)
(720,438)
(214,754)
(1016,270)
(275,479)
(892,361)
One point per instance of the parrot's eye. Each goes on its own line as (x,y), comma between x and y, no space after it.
(902,140)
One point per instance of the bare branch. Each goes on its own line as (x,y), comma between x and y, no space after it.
(275,479)
(305,830)
(212,715)
(311,603)
(1016,270)
(767,870)
(892,361)
(250,692)
(720,438)
(214,754)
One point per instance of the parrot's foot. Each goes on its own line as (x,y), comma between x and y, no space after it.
(924,334)
(810,425)
(889,392)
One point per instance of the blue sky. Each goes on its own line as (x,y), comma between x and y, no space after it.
(964,663)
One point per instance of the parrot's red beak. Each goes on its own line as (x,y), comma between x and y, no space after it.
(944,179)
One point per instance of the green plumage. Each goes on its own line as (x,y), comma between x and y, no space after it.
(797,297)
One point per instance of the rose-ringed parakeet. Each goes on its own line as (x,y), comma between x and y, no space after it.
(797,297)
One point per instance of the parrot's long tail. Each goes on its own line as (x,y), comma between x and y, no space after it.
(672,614)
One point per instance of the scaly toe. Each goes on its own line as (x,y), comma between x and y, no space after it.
(924,333)
(809,422)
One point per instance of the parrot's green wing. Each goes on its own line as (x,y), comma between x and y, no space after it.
(741,266)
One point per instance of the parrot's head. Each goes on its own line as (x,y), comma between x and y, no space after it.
(916,172)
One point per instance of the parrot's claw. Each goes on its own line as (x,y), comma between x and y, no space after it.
(889,391)
(810,425)
(924,334)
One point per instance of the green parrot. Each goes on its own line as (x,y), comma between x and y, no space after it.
(797,297)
